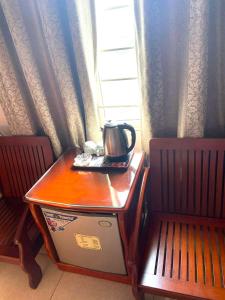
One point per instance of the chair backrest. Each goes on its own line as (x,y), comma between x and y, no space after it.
(187,176)
(23,159)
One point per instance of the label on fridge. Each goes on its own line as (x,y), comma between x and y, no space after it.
(57,221)
(88,242)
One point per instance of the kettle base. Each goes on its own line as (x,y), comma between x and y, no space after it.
(122,158)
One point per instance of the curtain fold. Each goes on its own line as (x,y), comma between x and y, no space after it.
(82,24)
(45,78)
(181,55)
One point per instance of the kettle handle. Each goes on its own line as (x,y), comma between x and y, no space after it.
(133,135)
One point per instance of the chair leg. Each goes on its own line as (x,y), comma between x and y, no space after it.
(34,272)
(138,295)
(28,262)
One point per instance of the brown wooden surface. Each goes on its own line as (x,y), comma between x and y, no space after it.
(67,188)
(138,237)
(23,159)
(188,176)
(186,254)
(9,219)
(179,252)
(98,274)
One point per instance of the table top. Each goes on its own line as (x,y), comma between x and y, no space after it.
(62,186)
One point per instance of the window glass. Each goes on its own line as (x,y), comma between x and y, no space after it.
(121,91)
(114,31)
(122,113)
(118,64)
(108,4)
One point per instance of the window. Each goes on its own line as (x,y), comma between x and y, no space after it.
(117,63)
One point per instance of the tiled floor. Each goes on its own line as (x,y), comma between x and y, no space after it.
(58,285)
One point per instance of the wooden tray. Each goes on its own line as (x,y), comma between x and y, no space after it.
(100,163)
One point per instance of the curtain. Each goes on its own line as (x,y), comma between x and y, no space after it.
(4,129)
(47,69)
(181,49)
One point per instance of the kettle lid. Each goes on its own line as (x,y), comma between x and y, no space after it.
(110,124)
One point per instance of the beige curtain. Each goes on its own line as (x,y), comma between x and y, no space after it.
(181,48)
(47,69)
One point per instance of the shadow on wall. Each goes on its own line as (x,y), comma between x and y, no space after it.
(4,128)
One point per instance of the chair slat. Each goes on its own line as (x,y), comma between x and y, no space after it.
(198,180)
(22,161)
(162,250)
(187,176)
(192,255)
(219,184)
(16,170)
(212,183)
(165,171)
(215,258)
(171,179)
(191,182)
(41,158)
(176,252)
(169,253)
(221,238)
(184,182)
(178,179)
(184,251)
(154,247)
(199,255)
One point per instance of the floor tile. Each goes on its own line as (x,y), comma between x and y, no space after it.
(56,285)
(14,282)
(80,287)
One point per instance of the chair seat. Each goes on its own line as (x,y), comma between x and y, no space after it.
(185,255)
(9,220)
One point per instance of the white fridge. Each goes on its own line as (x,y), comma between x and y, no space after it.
(86,240)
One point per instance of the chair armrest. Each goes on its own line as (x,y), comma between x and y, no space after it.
(21,225)
(138,218)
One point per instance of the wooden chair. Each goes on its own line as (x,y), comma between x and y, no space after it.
(178,244)
(23,159)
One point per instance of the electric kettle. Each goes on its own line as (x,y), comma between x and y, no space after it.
(115,140)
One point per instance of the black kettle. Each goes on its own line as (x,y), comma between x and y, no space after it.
(115,140)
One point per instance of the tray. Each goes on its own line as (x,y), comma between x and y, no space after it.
(100,163)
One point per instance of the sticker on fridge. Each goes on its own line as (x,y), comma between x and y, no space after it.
(88,242)
(57,221)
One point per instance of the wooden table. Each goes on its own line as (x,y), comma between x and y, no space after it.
(84,191)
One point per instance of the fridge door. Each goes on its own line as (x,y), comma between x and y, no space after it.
(86,240)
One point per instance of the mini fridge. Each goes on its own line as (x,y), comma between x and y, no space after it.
(86,240)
